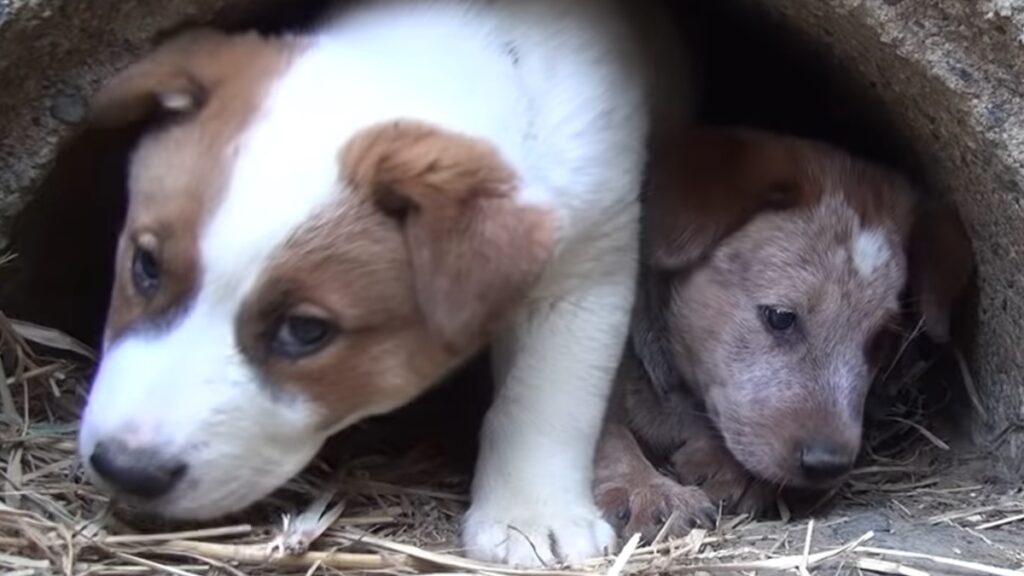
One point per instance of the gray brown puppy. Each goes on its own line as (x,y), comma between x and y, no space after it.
(774,270)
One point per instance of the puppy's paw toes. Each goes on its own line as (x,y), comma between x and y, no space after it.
(647,507)
(741,493)
(710,467)
(757,500)
(700,460)
(613,500)
(536,536)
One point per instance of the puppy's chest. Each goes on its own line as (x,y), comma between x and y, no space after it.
(661,421)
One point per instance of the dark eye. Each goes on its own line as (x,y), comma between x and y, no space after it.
(145,272)
(778,319)
(301,335)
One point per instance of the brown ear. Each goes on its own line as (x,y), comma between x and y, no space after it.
(475,249)
(175,78)
(710,182)
(941,265)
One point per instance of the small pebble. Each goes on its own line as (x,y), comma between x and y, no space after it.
(68,108)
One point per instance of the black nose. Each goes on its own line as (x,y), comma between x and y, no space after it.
(824,461)
(137,472)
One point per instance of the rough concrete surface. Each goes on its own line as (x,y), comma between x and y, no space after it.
(53,53)
(950,73)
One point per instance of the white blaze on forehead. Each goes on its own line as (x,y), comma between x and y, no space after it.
(284,170)
(870,251)
(284,166)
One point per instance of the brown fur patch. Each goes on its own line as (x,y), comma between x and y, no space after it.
(416,266)
(633,495)
(474,248)
(179,170)
(352,265)
(704,461)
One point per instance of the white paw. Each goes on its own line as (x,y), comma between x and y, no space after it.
(531,535)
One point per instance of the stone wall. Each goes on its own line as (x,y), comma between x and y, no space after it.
(950,73)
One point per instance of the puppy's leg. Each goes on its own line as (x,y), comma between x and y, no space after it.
(704,461)
(532,494)
(635,497)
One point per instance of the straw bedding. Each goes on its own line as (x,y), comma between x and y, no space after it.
(916,507)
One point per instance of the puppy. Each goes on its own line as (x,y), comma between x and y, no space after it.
(321,226)
(773,275)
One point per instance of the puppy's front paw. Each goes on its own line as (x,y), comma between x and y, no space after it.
(710,466)
(530,534)
(645,506)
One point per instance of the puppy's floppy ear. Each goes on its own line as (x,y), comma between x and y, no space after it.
(175,78)
(941,264)
(710,182)
(475,250)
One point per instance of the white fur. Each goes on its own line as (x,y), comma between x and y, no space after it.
(191,393)
(555,86)
(534,475)
(870,251)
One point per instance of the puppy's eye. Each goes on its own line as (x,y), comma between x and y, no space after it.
(145,271)
(778,319)
(300,335)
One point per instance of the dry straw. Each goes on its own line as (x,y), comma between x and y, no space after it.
(382,515)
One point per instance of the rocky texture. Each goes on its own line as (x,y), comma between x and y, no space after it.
(947,72)
(54,53)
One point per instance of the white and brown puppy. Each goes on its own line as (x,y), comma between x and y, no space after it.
(774,270)
(324,225)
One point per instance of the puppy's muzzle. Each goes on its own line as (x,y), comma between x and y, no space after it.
(823,462)
(143,473)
